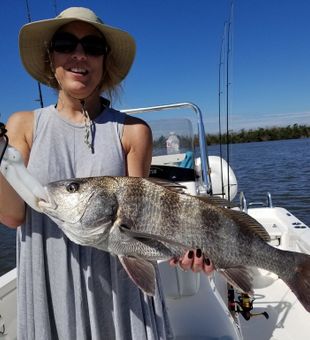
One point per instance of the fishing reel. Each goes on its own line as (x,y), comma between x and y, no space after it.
(3,146)
(244,305)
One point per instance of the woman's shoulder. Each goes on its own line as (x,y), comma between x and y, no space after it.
(20,121)
(137,127)
(130,120)
(136,132)
(21,125)
(25,121)
(20,129)
(20,116)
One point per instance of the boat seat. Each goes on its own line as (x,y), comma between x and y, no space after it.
(172,173)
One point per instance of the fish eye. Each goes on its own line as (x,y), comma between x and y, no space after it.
(72,187)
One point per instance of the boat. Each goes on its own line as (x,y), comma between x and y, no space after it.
(199,306)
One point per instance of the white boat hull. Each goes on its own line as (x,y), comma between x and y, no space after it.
(8,310)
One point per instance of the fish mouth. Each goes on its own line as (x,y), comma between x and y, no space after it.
(49,204)
(50,207)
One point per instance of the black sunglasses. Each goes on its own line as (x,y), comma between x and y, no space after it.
(65,42)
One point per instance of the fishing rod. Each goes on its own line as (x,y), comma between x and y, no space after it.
(228,83)
(39,84)
(220,92)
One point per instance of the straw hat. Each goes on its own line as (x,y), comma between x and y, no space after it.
(35,37)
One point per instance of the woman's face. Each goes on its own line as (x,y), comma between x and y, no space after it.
(78,73)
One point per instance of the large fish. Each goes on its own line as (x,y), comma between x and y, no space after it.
(141,221)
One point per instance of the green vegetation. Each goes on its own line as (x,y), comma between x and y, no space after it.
(263,134)
(244,136)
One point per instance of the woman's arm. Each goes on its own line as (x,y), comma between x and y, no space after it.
(137,143)
(12,207)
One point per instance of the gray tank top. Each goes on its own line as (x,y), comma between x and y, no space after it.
(66,291)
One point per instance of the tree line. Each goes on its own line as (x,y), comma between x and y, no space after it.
(261,134)
(243,136)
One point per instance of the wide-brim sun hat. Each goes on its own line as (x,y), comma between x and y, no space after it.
(35,37)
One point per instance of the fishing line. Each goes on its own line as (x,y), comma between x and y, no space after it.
(39,85)
(55,7)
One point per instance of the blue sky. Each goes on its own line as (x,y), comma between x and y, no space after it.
(178,47)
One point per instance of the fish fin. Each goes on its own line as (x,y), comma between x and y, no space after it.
(179,188)
(141,272)
(215,200)
(300,281)
(240,277)
(173,186)
(246,222)
(142,235)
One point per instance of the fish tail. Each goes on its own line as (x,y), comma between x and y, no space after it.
(299,282)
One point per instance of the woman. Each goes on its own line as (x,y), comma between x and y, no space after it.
(66,291)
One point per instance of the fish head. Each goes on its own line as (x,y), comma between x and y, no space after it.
(84,208)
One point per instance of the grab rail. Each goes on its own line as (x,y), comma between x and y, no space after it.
(243,203)
(244,206)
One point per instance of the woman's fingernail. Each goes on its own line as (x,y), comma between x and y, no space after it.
(198,253)
(190,254)
(207,261)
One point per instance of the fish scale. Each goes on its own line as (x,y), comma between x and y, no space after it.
(161,211)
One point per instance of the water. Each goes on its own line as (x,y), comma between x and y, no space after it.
(279,167)
(7,249)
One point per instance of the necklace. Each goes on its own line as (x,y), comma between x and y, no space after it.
(88,123)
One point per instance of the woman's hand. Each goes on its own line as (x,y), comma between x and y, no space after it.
(195,261)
